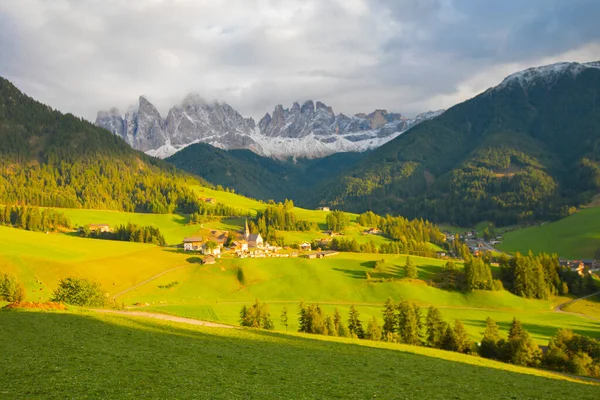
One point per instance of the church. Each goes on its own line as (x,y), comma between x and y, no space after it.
(253,239)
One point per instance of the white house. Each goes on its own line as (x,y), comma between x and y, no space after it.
(214,252)
(192,243)
(305,246)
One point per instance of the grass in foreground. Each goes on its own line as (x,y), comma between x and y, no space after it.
(102,356)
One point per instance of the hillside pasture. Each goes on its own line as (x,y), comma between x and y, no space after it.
(573,237)
(126,357)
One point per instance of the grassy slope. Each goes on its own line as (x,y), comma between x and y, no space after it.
(577,236)
(213,292)
(40,260)
(140,358)
(173,227)
(590,307)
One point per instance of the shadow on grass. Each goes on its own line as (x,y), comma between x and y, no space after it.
(90,354)
(356,274)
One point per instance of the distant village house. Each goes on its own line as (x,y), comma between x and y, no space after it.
(305,246)
(100,227)
(192,243)
(323,208)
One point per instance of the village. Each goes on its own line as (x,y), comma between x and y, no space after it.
(246,245)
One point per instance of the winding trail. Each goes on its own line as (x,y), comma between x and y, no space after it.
(166,317)
(559,308)
(148,280)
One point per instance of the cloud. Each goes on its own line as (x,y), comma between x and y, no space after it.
(406,56)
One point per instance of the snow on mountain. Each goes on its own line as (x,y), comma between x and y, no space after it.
(546,74)
(311,130)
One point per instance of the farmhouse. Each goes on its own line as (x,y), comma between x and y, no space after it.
(305,246)
(192,243)
(100,227)
(208,260)
(441,254)
(209,200)
(323,209)
(240,245)
(373,231)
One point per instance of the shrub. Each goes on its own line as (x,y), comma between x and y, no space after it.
(79,292)
(10,289)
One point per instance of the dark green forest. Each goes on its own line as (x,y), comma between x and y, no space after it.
(510,155)
(259,177)
(52,159)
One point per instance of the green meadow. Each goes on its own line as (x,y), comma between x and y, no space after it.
(577,236)
(213,292)
(76,354)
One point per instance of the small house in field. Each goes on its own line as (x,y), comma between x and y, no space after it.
(373,231)
(192,243)
(310,256)
(209,200)
(441,254)
(305,246)
(209,260)
(324,209)
(100,227)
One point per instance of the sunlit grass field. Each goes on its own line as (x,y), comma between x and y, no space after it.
(84,354)
(577,236)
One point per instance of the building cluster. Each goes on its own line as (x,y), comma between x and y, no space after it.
(581,266)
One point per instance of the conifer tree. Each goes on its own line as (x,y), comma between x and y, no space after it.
(389,318)
(373,330)
(409,323)
(463,343)
(410,270)
(435,327)
(489,343)
(449,342)
(354,325)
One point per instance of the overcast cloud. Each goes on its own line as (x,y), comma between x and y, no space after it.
(406,56)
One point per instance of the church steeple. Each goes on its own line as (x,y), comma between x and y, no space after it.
(247,231)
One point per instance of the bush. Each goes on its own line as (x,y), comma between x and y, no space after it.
(79,292)
(10,289)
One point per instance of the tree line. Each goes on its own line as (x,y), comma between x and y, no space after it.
(127,233)
(404,323)
(34,219)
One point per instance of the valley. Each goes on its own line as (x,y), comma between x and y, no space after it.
(323,264)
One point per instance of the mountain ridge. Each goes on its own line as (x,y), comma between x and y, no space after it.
(310,130)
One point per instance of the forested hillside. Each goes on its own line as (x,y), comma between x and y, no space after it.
(526,150)
(51,159)
(261,177)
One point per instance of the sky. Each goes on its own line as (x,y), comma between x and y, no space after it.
(406,56)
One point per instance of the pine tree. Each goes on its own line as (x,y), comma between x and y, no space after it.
(389,318)
(373,330)
(489,343)
(435,327)
(449,342)
(408,323)
(410,270)
(463,343)
(516,329)
(354,325)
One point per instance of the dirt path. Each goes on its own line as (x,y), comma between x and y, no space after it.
(166,317)
(559,308)
(148,280)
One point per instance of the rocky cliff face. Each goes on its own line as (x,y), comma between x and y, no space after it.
(311,130)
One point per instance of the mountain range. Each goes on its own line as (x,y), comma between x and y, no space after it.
(310,130)
(525,150)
